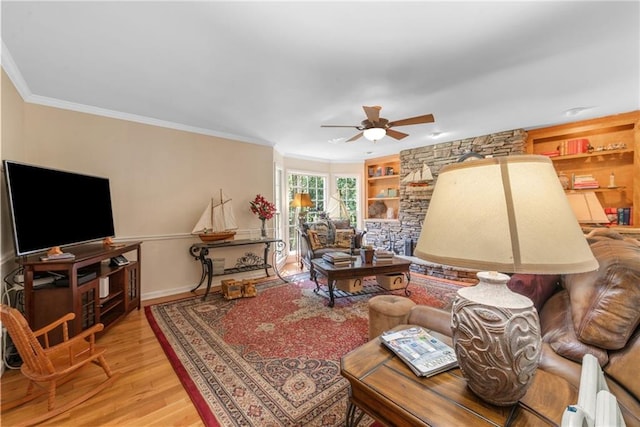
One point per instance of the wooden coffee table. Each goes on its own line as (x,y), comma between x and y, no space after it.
(357,269)
(386,389)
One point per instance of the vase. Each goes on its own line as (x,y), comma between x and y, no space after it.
(263,229)
(496,338)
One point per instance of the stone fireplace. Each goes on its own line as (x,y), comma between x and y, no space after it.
(401,235)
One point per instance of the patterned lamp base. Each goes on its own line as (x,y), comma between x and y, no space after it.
(496,337)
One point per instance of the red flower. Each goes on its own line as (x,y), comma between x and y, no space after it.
(262,207)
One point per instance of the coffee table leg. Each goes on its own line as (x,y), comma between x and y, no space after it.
(353,415)
(331,284)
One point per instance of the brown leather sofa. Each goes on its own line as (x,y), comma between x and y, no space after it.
(596,312)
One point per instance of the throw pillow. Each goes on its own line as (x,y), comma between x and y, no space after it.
(604,302)
(557,330)
(322,229)
(343,238)
(314,240)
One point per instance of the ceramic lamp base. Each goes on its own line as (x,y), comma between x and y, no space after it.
(496,337)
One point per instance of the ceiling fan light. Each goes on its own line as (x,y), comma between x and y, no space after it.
(374,134)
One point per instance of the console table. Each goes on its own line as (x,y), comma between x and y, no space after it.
(386,389)
(250,262)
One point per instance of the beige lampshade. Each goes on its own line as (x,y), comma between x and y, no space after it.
(507,214)
(587,208)
(301,200)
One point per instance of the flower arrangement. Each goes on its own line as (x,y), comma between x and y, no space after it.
(262,207)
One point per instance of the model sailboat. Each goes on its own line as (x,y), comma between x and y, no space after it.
(419,177)
(217,221)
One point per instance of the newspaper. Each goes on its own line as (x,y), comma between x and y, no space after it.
(422,352)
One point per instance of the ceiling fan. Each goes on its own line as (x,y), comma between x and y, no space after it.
(375,127)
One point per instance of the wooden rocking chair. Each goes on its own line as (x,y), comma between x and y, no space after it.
(51,366)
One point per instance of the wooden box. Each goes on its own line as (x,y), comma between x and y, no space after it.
(391,281)
(231,289)
(350,285)
(249,288)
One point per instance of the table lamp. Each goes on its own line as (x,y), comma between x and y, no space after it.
(507,214)
(587,208)
(301,200)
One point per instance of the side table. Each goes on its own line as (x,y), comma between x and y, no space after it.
(387,390)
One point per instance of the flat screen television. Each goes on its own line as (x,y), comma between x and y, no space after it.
(55,208)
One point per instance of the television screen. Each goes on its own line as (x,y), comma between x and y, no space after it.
(52,207)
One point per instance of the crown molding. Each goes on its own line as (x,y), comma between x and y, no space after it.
(11,68)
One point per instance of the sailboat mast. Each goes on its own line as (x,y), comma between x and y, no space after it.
(224,221)
(210,216)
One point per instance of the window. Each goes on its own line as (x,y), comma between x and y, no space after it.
(315,186)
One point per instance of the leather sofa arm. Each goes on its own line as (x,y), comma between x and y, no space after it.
(434,319)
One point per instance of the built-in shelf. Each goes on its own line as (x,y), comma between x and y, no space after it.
(382,178)
(592,154)
(620,130)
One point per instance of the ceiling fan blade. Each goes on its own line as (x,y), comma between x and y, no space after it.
(339,126)
(395,134)
(353,138)
(373,113)
(427,118)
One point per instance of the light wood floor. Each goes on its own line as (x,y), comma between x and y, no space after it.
(148,392)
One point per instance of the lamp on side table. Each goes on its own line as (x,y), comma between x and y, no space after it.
(507,214)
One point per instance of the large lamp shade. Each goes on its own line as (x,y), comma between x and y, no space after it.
(508,214)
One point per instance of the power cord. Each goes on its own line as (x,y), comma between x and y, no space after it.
(12,295)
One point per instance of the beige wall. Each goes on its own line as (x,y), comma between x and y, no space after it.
(160,179)
(11,146)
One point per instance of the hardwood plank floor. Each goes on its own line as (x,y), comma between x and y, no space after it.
(148,392)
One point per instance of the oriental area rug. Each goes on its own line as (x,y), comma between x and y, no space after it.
(273,359)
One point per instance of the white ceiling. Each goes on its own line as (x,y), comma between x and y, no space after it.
(273,72)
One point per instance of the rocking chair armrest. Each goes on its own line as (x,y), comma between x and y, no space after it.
(53,325)
(90,332)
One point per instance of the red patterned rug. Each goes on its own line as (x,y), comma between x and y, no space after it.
(271,360)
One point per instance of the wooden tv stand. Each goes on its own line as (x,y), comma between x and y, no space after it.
(46,303)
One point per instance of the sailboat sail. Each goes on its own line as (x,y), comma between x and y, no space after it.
(217,217)
(337,209)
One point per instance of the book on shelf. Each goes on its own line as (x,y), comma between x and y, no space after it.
(423,353)
(583,182)
(624,216)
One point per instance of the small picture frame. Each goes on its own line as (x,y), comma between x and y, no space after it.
(389,170)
